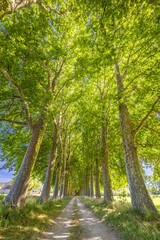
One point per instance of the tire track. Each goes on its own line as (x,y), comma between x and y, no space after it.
(77,222)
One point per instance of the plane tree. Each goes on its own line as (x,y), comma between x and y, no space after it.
(110,49)
(128,44)
(33,64)
(136,64)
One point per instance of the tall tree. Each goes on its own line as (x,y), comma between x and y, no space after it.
(45,194)
(19,75)
(139,194)
(128,43)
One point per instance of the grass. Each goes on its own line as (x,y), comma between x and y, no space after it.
(155,198)
(129,224)
(75,229)
(30,221)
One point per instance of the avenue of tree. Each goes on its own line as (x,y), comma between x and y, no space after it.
(80,97)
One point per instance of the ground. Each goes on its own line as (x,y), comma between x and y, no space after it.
(76,222)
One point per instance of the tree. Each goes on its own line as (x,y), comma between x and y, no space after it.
(43,86)
(139,194)
(9,7)
(93,65)
(45,194)
(128,41)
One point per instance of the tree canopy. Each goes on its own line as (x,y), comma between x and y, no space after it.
(89,67)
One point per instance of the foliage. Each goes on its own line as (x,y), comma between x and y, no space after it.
(128,223)
(76,43)
(31,220)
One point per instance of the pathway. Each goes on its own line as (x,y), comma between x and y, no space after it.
(77,222)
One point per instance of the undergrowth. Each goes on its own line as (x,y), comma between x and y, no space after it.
(129,224)
(28,222)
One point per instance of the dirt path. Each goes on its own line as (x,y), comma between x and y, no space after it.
(76,222)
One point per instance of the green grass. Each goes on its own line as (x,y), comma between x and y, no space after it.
(156,200)
(129,224)
(29,221)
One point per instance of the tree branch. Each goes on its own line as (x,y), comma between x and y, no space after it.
(14,5)
(12,121)
(152,129)
(132,80)
(57,74)
(63,85)
(146,116)
(128,60)
(49,8)
(21,94)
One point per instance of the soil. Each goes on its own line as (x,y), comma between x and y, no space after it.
(77,222)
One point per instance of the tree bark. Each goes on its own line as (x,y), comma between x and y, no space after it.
(139,195)
(87,185)
(64,180)
(8,7)
(18,192)
(85,189)
(61,189)
(63,169)
(108,196)
(49,173)
(97,185)
(55,191)
(65,189)
(91,185)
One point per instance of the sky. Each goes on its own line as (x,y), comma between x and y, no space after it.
(5,175)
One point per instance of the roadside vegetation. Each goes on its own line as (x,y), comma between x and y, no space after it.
(31,220)
(129,224)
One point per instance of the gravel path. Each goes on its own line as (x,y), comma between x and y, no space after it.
(76,222)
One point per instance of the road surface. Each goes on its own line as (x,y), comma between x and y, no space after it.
(77,222)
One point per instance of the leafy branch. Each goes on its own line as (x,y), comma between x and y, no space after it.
(152,129)
(12,121)
(21,94)
(57,74)
(12,6)
(146,116)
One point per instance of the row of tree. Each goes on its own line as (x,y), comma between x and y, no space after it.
(70,74)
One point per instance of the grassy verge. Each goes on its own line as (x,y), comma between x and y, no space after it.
(29,221)
(128,223)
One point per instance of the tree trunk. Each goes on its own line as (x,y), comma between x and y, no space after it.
(87,183)
(64,180)
(85,190)
(97,187)
(18,192)
(61,189)
(55,191)
(49,174)
(63,176)
(108,196)
(65,189)
(139,195)
(91,185)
